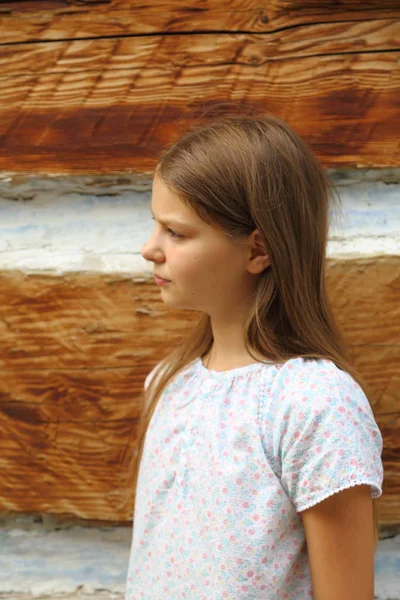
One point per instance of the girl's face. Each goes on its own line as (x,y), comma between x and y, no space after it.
(206,268)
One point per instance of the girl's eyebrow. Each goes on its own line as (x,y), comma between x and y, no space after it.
(170,221)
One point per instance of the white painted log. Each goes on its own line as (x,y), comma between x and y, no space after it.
(57,225)
(79,561)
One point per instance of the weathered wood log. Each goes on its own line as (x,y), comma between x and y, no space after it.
(74,352)
(57,19)
(120,120)
(103,86)
(66,436)
(117,85)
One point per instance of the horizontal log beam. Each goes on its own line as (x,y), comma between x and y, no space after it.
(74,352)
(67,440)
(93,321)
(119,120)
(66,448)
(83,84)
(23,21)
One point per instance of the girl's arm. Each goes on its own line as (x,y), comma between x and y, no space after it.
(340,540)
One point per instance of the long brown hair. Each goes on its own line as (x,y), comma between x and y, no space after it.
(243,173)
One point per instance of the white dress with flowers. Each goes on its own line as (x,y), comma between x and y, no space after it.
(230,460)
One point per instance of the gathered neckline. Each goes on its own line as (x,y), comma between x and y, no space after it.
(230,373)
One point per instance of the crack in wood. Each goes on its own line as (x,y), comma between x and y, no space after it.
(204,32)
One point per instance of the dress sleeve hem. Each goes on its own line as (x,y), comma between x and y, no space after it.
(376,491)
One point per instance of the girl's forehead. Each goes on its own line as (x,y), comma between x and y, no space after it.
(167,205)
(169,209)
(165,196)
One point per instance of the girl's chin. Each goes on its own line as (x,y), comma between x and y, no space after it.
(179,304)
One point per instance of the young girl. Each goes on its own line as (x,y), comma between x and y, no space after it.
(259,454)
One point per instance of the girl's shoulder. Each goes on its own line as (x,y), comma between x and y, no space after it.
(313,372)
(316,385)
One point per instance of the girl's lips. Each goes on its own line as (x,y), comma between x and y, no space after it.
(160,280)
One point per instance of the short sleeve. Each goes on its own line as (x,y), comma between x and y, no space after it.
(324,435)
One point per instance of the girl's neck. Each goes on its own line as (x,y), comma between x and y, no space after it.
(228,349)
(234,362)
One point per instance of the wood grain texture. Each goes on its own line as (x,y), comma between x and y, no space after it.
(65,439)
(252,49)
(104,86)
(22,21)
(94,121)
(74,352)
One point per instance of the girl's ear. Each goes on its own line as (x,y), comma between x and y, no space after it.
(258,259)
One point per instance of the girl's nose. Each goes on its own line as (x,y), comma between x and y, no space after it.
(151,252)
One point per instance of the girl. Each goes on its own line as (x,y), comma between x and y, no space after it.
(259,454)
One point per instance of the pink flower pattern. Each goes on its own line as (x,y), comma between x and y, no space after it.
(230,460)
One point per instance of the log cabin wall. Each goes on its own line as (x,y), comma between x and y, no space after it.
(91,91)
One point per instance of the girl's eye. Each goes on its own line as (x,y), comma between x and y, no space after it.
(171,231)
(174,234)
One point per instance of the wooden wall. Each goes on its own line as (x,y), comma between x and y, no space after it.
(74,352)
(100,87)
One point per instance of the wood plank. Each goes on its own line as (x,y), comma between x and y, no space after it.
(95,321)
(67,438)
(345,106)
(379,365)
(22,21)
(74,352)
(82,321)
(66,447)
(389,503)
(360,290)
